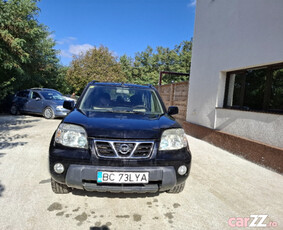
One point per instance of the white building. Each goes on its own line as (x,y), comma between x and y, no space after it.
(236,83)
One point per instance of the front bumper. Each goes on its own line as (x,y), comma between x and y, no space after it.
(61,113)
(81,166)
(84,177)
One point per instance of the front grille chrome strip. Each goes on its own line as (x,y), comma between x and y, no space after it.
(111,150)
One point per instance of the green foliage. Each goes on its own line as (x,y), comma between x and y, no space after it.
(96,64)
(146,66)
(27,56)
(61,83)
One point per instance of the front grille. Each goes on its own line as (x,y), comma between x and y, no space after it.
(123,149)
(142,150)
(104,148)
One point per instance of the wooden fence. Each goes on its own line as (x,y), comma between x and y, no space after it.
(175,94)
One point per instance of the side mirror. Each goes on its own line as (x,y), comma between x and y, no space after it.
(173,110)
(70,105)
(37,99)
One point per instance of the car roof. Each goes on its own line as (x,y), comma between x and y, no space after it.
(43,89)
(120,84)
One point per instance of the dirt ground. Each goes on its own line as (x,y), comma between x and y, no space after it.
(221,186)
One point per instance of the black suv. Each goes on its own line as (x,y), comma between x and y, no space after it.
(119,138)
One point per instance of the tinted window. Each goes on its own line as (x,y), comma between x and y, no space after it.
(259,89)
(276,94)
(23,93)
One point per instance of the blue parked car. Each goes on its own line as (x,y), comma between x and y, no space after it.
(47,102)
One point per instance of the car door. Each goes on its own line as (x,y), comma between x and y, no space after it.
(22,100)
(35,102)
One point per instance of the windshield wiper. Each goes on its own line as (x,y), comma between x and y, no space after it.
(138,112)
(128,111)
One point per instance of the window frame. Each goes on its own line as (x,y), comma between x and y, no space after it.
(267,88)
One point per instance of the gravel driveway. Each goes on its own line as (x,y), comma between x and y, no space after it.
(221,186)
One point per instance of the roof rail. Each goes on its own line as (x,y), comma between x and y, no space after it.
(37,88)
(49,89)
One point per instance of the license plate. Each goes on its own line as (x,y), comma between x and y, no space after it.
(123,177)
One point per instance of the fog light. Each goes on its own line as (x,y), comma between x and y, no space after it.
(182,170)
(59,168)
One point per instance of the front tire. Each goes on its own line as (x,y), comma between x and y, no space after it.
(177,188)
(48,113)
(59,188)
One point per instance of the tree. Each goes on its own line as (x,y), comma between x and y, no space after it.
(126,66)
(27,56)
(96,64)
(146,66)
(61,82)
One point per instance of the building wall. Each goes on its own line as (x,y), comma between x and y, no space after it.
(231,35)
(261,127)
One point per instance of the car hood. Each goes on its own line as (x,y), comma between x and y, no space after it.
(121,125)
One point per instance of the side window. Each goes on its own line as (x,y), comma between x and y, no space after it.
(20,94)
(23,94)
(155,103)
(26,94)
(35,95)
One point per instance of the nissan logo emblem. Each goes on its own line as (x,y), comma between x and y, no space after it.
(124,149)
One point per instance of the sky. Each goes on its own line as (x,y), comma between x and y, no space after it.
(124,26)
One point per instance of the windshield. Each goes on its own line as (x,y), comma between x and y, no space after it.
(119,99)
(51,95)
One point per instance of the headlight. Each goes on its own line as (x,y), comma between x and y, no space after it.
(59,107)
(173,139)
(71,136)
